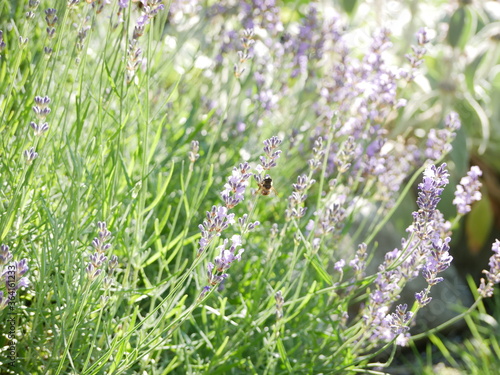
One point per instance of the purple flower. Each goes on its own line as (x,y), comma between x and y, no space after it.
(268,161)
(426,252)
(39,129)
(493,275)
(422,37)
(318,154)
(399,320)
(423,297)
(264,14)
(339,266)
(4,301)
(5,255)
(203,293)
(41,107)
(419,51)
(430,189)
(298,197)
(439,141)
(50,17)
(13,275)
(2,43)
(468,191)
(228,256)
(99,259)
(217,220)
(236,185)
(142,21)
(358,264)
(92,272)
(213,277)
(30,155)
(247,226)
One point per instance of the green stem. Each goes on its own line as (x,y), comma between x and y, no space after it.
(76,324)
(447,323)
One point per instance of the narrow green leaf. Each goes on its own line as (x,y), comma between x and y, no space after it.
(483,120)
(349,6)
(471,69)
(160,194)
(319,268)
(222,346)
(456,27)
(283,355)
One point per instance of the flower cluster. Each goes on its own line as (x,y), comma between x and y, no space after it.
(280,301)
(358,264)
(80,39)
(308,44)
(244,55)
(439,141)
(296,200)
(262,14)
(271,156)
(431,229)
(267,161)
(399,320)
(245,225)
(2,42)
(426,252)
(493,275)
(430,190)
(235,187)
(217,220)
(438,260)
(152,8)
(346,154)
(318,154)
(51,20)
(468,191)
(417,57)
(149,10)
(42,110)
(99,259)
(13,275)
(216,271)
(193,153)
(32,5)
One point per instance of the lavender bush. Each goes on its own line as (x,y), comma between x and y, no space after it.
(197,187)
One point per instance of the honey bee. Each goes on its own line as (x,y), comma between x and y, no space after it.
(266,186)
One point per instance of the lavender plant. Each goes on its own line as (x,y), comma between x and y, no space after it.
(245,155)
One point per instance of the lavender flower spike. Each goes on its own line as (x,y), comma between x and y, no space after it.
(468,190)
(228,256)
(14,275)
(493,275)
(435,178)
(98,260)
(399,320)
(439,141)
(272,154)
(5,254)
